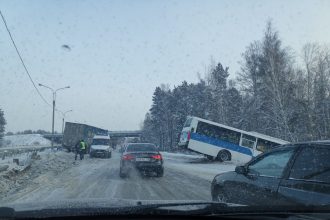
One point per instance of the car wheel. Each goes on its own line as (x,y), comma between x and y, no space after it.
(160,173)
(109,155)
(220,196)
(223,156)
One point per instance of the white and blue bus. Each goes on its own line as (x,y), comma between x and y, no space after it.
(224,143)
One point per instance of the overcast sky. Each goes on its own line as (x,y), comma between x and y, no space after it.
(121,50)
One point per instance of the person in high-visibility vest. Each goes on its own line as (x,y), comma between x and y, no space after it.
(81,147)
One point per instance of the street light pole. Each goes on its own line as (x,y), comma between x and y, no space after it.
(54,98)
(63,116)
(53,119)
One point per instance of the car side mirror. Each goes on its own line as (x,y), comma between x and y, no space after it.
(241,170)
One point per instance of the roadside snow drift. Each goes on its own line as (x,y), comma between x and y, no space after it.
(25,140)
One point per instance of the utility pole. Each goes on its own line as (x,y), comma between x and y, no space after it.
(54,98)
(53,119)
(63,116)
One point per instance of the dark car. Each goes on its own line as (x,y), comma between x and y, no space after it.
(296,174)
(143,157)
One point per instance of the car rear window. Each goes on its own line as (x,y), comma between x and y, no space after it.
(141,147)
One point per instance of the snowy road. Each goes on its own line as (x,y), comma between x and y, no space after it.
(99,178)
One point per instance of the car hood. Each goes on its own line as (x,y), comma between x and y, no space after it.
(69,203)
(90,203)
(100,147)
(228,174)
(102,207)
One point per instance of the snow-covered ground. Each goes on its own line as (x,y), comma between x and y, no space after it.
(54,176)
(204,171)
(47,162)
(25,140)
(180,157)
(196,165)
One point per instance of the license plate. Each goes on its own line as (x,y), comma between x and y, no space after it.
(142,159)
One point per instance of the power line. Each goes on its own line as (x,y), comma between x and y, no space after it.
(20,57)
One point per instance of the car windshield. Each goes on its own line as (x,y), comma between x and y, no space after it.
(164,101)
(100,142)
(140,147)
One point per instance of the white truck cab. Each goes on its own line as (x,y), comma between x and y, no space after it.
(100,146)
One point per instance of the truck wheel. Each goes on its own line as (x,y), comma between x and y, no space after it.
(223,155)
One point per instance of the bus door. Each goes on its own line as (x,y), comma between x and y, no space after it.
(249,142)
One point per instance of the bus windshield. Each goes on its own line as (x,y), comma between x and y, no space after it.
(187,123)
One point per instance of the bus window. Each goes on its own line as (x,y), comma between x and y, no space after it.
(248,141)
(263,145)
(187,123)
(218,132)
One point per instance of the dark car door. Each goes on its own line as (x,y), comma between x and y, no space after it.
(259,186)
(309,180)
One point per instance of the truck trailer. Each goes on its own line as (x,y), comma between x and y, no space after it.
(74,132)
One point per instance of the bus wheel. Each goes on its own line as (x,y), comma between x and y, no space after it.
(223,155)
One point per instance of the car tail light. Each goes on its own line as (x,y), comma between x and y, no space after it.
(188,136)
(157,156)
(128,157)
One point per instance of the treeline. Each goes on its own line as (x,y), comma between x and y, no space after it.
(275,93)
(30,132)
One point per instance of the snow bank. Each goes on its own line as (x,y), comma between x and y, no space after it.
(25,140)
(46,164)
(8,160)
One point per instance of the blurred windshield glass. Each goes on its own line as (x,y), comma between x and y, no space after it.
(207,87)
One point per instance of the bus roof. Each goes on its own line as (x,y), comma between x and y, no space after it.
(252,133)
(268,138)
